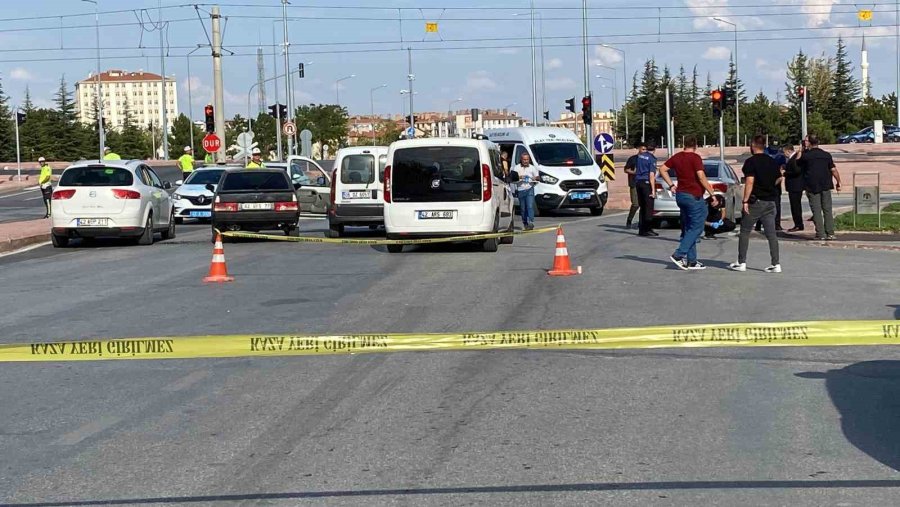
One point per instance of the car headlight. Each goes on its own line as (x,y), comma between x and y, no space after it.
(177,196)
(546,178)
(602,177)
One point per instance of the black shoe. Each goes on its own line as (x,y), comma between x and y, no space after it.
(779,229)
(795,229)
(529,227)
(709,236)
(652,233)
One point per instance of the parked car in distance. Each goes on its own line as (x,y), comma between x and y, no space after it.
(192,199)
(111,199)
(722,178)
(254,200)
(891,133)
(357,189)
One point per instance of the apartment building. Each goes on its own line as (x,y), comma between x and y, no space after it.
(140,92)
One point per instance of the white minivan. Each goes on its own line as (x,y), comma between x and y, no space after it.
(569,175)
(357,189)
(442,187)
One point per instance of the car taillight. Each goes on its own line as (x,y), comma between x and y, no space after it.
(121,193)
(720,187)
(286,206)
(487,183)
(387,184)
(225,206)
(61,195)
(333,187)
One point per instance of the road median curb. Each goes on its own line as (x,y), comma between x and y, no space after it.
(13,244)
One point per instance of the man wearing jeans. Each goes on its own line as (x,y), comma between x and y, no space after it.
(818,171)
(762,181)
(688,167)
(527,176)
(630,167)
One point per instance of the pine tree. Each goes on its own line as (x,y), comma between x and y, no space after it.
(27,105)
(821,77)
(181,137)
(129,140)
(650,102)
(798,76)
(7,129)
(845,91)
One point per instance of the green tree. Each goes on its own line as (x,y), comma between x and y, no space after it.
(180,136)
(129,140)
(821,76)
(388,132)
(798,76)
(821,127)
(845,90)
(7,129)
(327,122)
(763,117)
(264,132)
(234,127)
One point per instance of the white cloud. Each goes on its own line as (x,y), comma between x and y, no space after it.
(20,74)
(706,10)
(607,56)
(553,63)
(480,81)
(717,53)
(817,12)
(561,83)
(772,72)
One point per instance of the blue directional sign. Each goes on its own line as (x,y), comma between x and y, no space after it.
(604,143)
(410,132)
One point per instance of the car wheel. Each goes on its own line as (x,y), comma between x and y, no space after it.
(508,240)
(854,141)
(394,248)
(59,241)
(292,232)
(179,220)
(597,211)
(147,237)
(169,233)
(656,223)
(334,231)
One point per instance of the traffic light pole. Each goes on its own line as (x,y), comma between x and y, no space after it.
(721,138)
(803,125)
(218,86)
(18,149)
(277,103)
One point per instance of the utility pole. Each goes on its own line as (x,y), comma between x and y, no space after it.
(287,74)
(218,87)
(897,53)
(165,102)
(277,102)
(411,77)
(721,138)
(18,148)
(803,124)
(260,79)
(588,129)
(668,123)
(534,101)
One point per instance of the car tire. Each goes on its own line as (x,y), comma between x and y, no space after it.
(59,241)
(597,211)
(147,237)
(292,232)
(854,141)
(334,231)
(508,240)
(179,220)
(656,223)
(394,248)
(169,233)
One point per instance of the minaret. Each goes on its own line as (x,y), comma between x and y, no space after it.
(865,68)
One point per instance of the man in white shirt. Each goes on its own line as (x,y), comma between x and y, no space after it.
(528,177)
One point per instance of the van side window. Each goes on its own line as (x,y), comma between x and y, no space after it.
(496,164)
(382,162)
(517,158)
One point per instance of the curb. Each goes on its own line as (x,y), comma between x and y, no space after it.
(13,244)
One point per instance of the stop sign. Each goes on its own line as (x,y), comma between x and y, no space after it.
(212,143)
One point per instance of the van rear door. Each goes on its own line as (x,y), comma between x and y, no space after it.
(360,179)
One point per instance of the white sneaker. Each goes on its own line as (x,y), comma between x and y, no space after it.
(774,269)
(739,266)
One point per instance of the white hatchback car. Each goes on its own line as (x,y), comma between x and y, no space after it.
(192,199)
(111,198)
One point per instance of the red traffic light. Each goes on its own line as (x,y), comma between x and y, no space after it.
(801,91)
(716,95)
(586,103)
(208,110)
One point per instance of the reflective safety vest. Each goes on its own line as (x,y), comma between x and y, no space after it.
(46,176)
(254,165)
(208,158)
(112,156)
(187,163)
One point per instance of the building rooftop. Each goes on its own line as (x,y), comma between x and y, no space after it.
(121,76)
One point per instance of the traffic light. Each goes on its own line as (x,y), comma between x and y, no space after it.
(278,111)
(717,98)
(570,104)
(20,117)
(547,115)
(301,71)
(801,91)
(586,114)
(210,114)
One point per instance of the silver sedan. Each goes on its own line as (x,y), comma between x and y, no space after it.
(721,177)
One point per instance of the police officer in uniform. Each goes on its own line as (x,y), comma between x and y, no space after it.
(186,163)
(256,162)
(45,181)
(110,155)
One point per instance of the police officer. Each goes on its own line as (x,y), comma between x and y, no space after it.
(256,161)
(110,155)
(186,163)
(45,181)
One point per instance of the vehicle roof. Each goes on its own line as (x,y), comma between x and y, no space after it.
(528,134)
(124,164)
(441,141)
(358,150)
(231,170)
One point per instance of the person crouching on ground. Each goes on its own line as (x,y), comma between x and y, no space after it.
(716,222)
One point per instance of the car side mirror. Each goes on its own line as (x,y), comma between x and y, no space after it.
(210,187)
(297,185)
(167,185)
(179,182)
(320,181)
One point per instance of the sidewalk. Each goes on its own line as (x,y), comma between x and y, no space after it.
(16,235)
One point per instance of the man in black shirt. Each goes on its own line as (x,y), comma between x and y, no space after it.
(793,183)
(630,166)
(716,222)
(762,179)
(819,176)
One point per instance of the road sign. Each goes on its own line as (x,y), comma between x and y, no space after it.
(306,143)
(289,128)
(410,132)
(604,143)
(212,143)
(245,139)
(608,166)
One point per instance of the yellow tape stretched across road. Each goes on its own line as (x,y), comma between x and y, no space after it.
(779,334)
(422,241)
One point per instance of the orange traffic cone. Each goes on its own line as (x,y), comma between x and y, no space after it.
(561,265)
(217,270)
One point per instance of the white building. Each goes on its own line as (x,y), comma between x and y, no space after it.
(487,119)
(864,66)
(140,92)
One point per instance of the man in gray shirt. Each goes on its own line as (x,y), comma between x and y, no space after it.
(528,176)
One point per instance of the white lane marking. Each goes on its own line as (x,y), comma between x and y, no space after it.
(87,430)
(20,193)
(25,249)
(186,381)
(34,198)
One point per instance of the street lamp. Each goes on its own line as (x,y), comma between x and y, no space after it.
(737,89)
(506,107)
(403,102)
(337,87)
(372,104)
(450,105)
(99,94)
(533,69)
(624,83)
(190,98)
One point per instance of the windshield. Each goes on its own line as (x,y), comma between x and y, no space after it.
(204,177)
(96,176)
(561,154)
(306,173)
(711,170)
(436,174)
(255,180)
(358,169)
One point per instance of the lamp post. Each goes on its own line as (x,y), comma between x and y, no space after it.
(451,128)
(372,104)
(190,98)
(337,87)
(737,89)
(100,132)
(624,84)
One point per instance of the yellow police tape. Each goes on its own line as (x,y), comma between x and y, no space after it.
(824,333)
(421,241)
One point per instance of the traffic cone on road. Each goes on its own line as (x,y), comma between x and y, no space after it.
(217,270)
(561,264)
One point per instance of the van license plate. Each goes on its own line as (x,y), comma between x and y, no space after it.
(581,195)
(257,205)
(447,214)
(356,194)
(92,222)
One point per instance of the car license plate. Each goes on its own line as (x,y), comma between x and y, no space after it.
(257,205)
(581,195)
(92,222)
(443,214)
(201,214)
(356,194)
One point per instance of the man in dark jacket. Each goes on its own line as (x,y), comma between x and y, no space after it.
(793,184)
(820,177)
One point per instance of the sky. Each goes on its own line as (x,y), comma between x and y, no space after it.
(480,54)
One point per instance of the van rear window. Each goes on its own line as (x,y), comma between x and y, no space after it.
(251,181)
(96,176)
(561,154)
(436,174)
(358,169)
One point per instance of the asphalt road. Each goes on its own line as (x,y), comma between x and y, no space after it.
(751,426)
